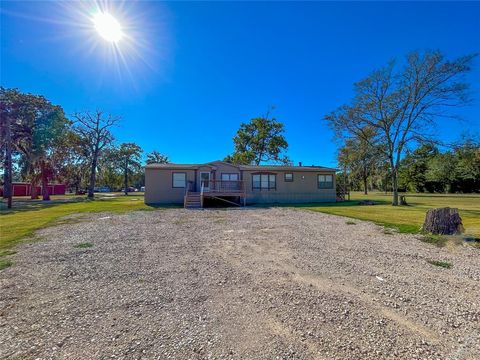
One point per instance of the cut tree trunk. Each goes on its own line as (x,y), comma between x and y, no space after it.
(443,221)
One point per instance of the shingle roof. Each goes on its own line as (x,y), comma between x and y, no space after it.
(242,167)
(286,168)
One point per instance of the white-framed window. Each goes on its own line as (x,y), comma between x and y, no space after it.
(229,177)
(288,177)
(264,181)
(325,181)
(179,179)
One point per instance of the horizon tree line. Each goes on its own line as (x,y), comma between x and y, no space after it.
(39,143)
(385,132)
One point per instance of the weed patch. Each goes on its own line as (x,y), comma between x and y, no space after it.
(5,264)
(443,264)
(7,252)
(180,222)
(83,245)
(349,222)
(437,240)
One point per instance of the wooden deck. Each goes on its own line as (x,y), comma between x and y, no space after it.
(216,189)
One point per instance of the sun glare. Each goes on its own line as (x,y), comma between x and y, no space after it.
(107,26)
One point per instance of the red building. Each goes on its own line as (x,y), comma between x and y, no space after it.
(24,189)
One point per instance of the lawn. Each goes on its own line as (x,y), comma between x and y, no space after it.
(405,218)
(28,216)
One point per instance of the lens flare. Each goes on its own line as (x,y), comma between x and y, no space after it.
(107,26)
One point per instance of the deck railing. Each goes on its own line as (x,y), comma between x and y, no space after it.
(224,186)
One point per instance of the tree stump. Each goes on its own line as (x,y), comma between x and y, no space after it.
(443,221)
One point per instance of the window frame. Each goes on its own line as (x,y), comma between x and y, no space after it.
(173,180)
(229,175)
(285,177)
(268,174)
(324,187)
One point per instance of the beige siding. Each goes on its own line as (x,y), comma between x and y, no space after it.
(216,174)
(225,169)
(159,188)
(303,188)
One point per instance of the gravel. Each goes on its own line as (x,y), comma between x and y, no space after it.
(237,283)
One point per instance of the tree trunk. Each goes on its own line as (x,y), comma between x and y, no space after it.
(33,190)
(443,221)
(45,194)
(386,182)
(125,177)
(365,185)
(7,176)
(394,187)
(93,173)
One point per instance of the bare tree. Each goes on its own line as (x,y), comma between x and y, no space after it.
(94,128)
(401,107)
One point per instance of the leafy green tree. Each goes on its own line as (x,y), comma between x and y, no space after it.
(48,132)
(110,170)
(414,167)
(33,127)
(261,140)
(467,152)
(127,158)
(402,105)
(442,169)
(360,159)
(70,161)
(155,157)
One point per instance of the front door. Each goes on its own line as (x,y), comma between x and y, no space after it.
(205,180)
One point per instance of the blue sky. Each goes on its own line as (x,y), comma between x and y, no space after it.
(193,71)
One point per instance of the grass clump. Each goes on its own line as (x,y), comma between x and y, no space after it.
(5,264)
(437,240)
(83,245)
(443,264)
(180,221)
(350,222)
(7,252)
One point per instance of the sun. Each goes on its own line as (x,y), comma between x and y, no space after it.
(108,27)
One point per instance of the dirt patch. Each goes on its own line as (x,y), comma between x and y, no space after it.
(240,283)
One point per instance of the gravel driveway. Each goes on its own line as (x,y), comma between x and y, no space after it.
(239,283)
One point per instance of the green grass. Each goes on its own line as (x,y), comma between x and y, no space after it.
(7,252)
(5,263)
(28,216)
(437,240)
(83,245)
(405,219)
(442,264)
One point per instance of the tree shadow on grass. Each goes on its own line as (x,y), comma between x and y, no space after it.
(32,205)
(35,205)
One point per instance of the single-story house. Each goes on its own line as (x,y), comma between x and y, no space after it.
(190,184)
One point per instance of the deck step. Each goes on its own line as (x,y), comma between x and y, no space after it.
(193,201)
